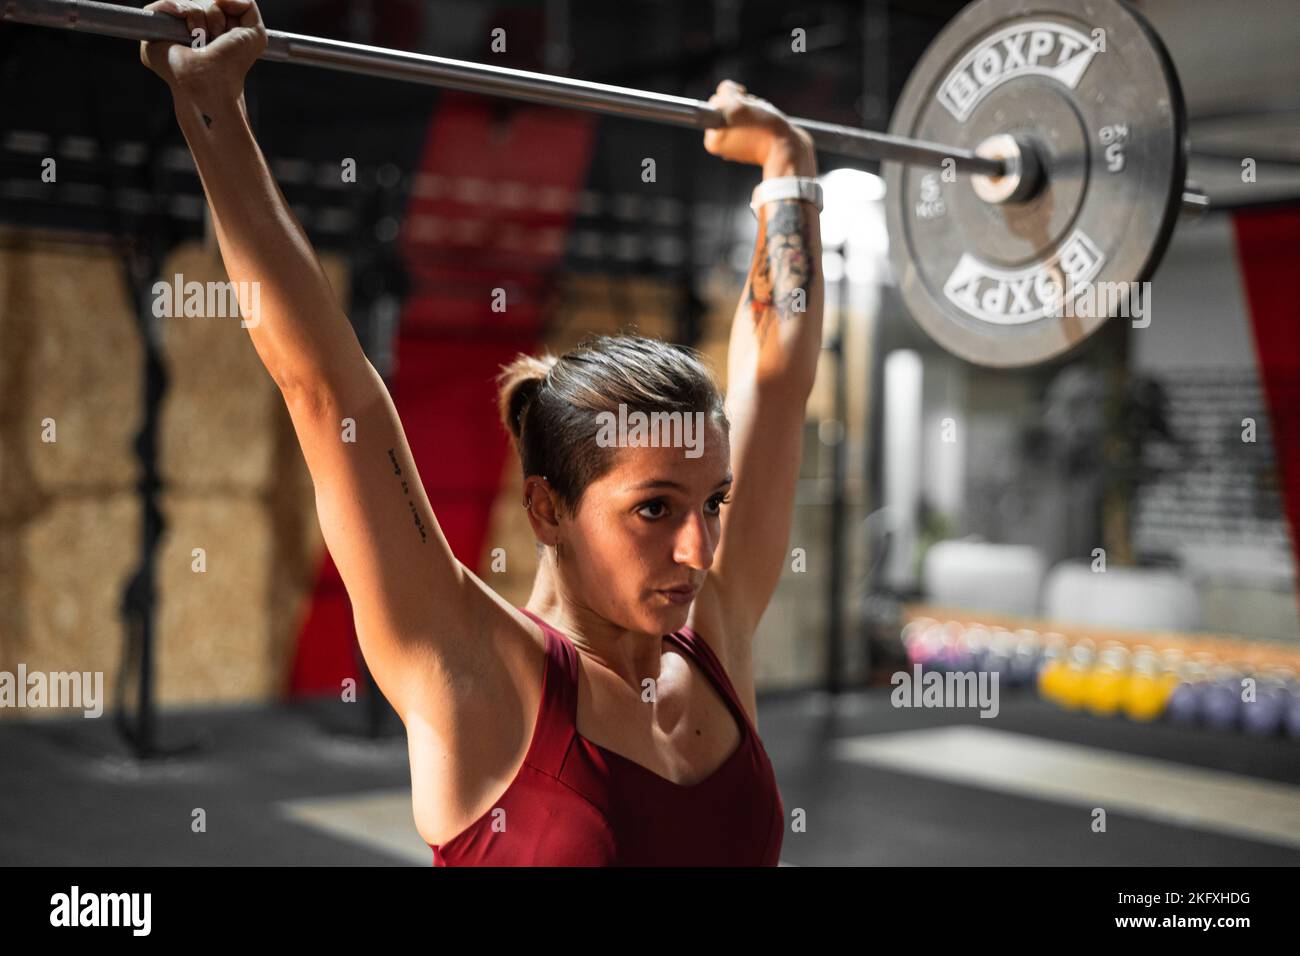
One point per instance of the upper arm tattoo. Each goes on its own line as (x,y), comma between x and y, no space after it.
(782,262)
(406,490)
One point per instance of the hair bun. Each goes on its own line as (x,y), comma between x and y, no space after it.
(517,386)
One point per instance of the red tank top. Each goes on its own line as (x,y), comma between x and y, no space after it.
(574,803)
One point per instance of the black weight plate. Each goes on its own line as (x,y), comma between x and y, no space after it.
(1109,125)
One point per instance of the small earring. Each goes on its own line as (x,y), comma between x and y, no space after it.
(528,503)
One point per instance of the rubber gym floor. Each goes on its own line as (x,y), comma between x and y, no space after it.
(303,785)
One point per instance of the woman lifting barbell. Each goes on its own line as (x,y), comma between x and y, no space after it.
(610,720)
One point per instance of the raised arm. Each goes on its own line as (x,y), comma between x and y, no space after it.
(771,363)
(412,600)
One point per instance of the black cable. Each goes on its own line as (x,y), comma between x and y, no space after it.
(139,255)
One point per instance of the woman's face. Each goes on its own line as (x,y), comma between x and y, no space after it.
(649,525)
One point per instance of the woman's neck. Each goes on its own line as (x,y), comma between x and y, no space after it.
(622,652)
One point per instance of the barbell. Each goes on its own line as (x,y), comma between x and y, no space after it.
(1037,153)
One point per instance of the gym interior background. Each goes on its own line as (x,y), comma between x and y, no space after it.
(1107,533)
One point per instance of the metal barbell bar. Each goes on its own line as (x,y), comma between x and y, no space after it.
(129,23)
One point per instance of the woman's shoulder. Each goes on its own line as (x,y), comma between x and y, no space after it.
(505,628)
(728,642)
(708,620)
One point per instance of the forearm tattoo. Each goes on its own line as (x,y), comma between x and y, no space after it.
(783,265)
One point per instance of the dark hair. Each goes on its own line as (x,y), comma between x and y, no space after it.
(549,405)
